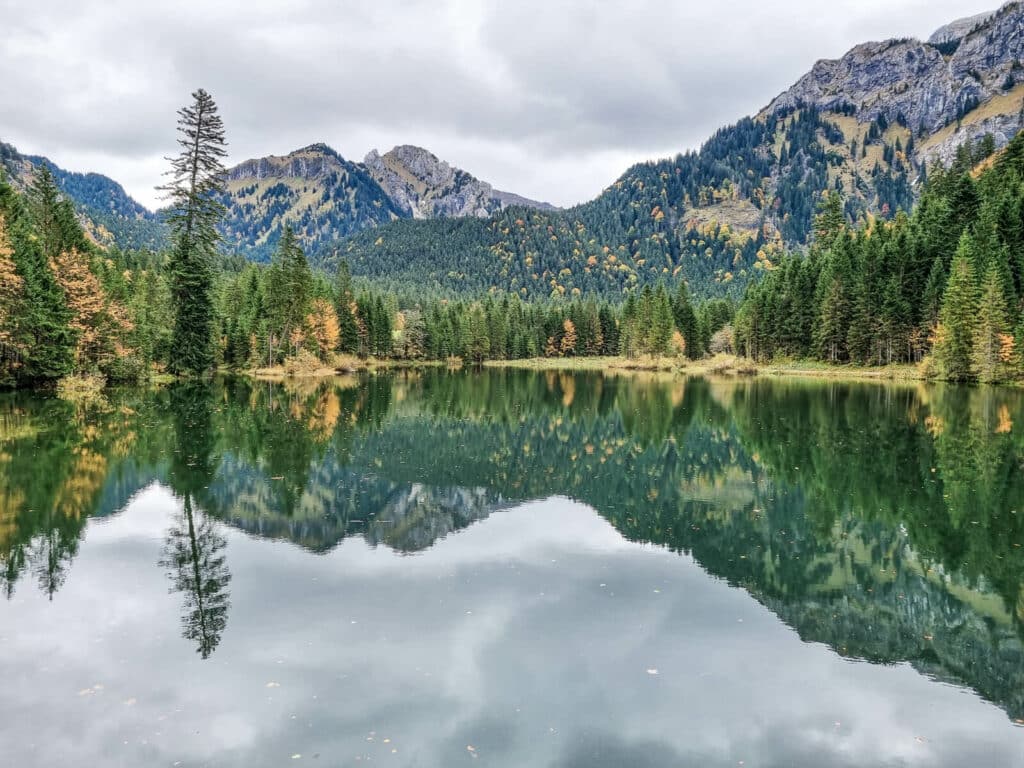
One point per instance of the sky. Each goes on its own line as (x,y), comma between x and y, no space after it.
(548,100)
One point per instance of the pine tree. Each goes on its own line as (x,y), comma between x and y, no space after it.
(197,182)
(686,320)
(348,333)
(954,336)
(661,322)
(993,343)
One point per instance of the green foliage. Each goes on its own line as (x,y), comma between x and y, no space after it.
(886,292)
(640,231)
(195,211)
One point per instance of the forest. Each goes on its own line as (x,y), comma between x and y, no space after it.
(941,287)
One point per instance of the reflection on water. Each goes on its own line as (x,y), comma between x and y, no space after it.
(882,521)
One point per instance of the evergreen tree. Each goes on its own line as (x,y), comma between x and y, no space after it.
(686,321)
(41,339)
(661,322)
(954,336)
(194,192)
(993,342)
(348,340)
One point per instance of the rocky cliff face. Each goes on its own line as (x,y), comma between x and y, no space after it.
(968,78)
(425,187)
(957,30)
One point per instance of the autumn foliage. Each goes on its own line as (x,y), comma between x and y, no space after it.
(100,324)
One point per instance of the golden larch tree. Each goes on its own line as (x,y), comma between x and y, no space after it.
(568,337)
(98,322)
(324,327)
(11,285)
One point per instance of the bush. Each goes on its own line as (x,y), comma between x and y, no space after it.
(81,388)
(305,363)
(723,342)
(928,368)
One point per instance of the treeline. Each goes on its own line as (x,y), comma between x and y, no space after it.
(65,305)
(273,314)
(943,286)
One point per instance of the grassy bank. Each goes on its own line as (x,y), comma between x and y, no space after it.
(311,367)
(721,365)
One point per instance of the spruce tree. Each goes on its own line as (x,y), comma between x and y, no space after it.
(954,340)
(194,193)
(348,339)
(41,337)
(661,322)
(993,342)
(686,320)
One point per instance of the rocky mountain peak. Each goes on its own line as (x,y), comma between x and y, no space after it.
(312,162)
(425,187)
(928,86)
(957,30)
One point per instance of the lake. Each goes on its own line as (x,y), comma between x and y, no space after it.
(513,569)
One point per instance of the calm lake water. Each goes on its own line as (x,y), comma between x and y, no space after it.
(514,569)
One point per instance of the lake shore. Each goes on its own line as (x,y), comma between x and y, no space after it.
(720,365)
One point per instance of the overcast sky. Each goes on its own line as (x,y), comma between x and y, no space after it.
(549,99)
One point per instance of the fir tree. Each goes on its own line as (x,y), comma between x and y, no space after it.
(686,320)
(993,342)
(954,336)
(348,336)
(197,183)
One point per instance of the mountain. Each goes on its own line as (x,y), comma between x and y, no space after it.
(867,125)
(326,197)
(322,195)
(425,187)
(957,30)
(937,89)
(108,214)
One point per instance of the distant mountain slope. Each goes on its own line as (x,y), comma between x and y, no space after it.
(866,125)
(322,195)
(326,197)
(109,215)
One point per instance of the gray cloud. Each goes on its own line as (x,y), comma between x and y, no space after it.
(548,100)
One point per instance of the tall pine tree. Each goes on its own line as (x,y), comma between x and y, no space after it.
(194,192)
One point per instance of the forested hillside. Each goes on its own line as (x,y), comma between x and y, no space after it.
(949,279)
(108,214)
(868,126)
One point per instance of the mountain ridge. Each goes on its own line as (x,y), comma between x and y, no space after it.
(867,125)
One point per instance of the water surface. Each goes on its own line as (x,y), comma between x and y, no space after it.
(514,569)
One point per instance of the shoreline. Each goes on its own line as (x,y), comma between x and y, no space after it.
(721,366)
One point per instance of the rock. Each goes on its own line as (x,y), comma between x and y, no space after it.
(914,81)
(425,187)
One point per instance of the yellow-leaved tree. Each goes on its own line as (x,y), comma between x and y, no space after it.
(100,323)
(11,286)
(324,327)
